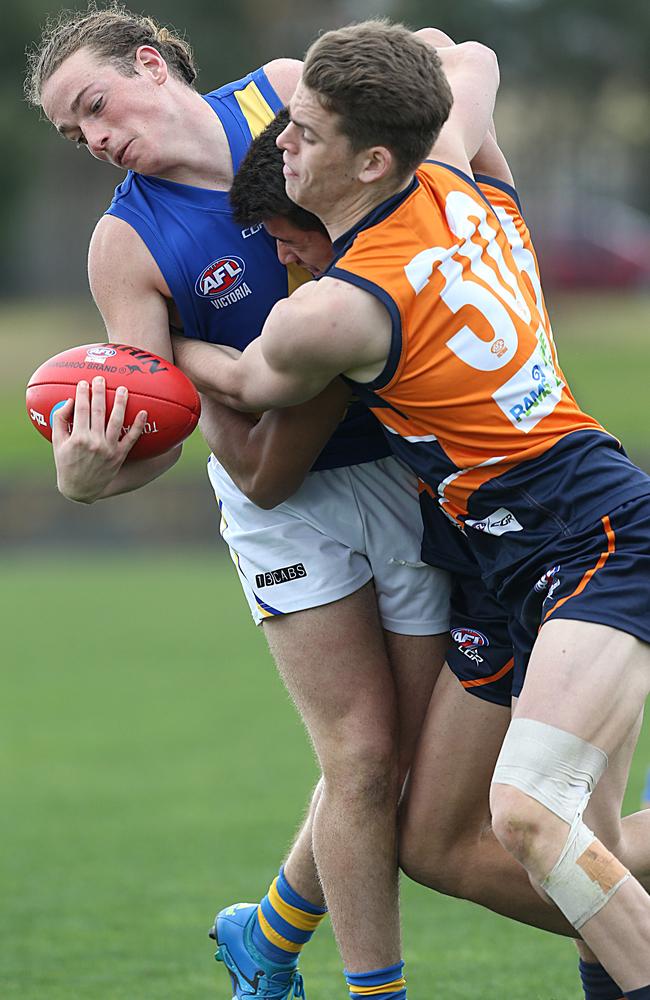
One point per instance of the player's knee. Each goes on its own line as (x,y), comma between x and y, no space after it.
(542,783)
(424,862)
(362,770)
(518,821)
(436,856)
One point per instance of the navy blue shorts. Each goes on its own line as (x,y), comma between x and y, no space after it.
(480,652)
(600,575)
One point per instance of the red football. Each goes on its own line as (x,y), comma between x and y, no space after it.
(155,385)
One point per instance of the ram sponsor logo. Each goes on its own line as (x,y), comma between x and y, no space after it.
(220,277)
(99,355)
(497,523)
(38,418)
(534,391)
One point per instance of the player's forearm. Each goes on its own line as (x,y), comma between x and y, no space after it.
(247,383)
(212,370)
(269,458)
(231,437)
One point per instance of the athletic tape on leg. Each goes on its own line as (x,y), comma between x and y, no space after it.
(554,767)
(560,771)
(585,877)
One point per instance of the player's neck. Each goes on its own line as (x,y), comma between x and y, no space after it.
(349,211)
(201,157)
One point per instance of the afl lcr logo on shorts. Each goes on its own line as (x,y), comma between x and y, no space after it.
(469,637)
(99,355)
(220,277)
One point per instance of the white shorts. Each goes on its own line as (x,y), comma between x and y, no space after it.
(342,528)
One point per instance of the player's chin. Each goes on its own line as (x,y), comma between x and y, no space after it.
(292,186)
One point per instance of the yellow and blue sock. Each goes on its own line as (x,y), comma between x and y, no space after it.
(284,923)
(597,983)
(381,984)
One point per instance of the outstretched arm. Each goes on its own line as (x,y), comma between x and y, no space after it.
(326,328)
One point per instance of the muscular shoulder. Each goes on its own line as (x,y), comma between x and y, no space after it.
(332,322)
(117,256)
(128,288)
(283,75)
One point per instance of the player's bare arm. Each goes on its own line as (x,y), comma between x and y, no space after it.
(325,329)
(128,288)
(130,294)
(473,73)
(489,158)
(269,458)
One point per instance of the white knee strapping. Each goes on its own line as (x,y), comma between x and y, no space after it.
(560,771)
(585,877)
(554,767)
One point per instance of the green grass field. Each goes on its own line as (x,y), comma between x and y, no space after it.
(152,770)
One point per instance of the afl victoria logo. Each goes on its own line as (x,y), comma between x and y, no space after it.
(221,276)
(469,637)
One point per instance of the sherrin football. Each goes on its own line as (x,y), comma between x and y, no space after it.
(155,385)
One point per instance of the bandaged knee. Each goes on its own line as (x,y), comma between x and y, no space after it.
(560,771)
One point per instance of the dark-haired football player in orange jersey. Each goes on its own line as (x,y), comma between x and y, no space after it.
(427,313)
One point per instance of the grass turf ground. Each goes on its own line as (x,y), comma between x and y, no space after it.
(152,771)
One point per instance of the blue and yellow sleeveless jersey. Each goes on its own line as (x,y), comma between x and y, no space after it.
(224,280)
(472,395)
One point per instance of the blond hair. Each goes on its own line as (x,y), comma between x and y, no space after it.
(113,33)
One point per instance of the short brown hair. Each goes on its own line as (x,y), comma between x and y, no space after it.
(387,87)
(111,32)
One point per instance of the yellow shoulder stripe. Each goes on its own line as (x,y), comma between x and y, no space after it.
(254,108)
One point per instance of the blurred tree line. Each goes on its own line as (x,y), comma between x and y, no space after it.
(573,113)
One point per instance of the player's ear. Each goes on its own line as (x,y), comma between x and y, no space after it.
(149,60)
(376,164)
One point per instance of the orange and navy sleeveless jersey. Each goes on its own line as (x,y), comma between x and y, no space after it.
(472,395)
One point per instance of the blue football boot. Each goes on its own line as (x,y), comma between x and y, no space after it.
(251,974)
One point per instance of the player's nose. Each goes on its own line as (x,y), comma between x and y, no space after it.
(97,138)
(285,255)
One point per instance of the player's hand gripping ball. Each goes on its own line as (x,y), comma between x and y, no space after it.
(155,385)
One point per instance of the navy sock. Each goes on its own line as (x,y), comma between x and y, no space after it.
(642,994)
(597,983)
